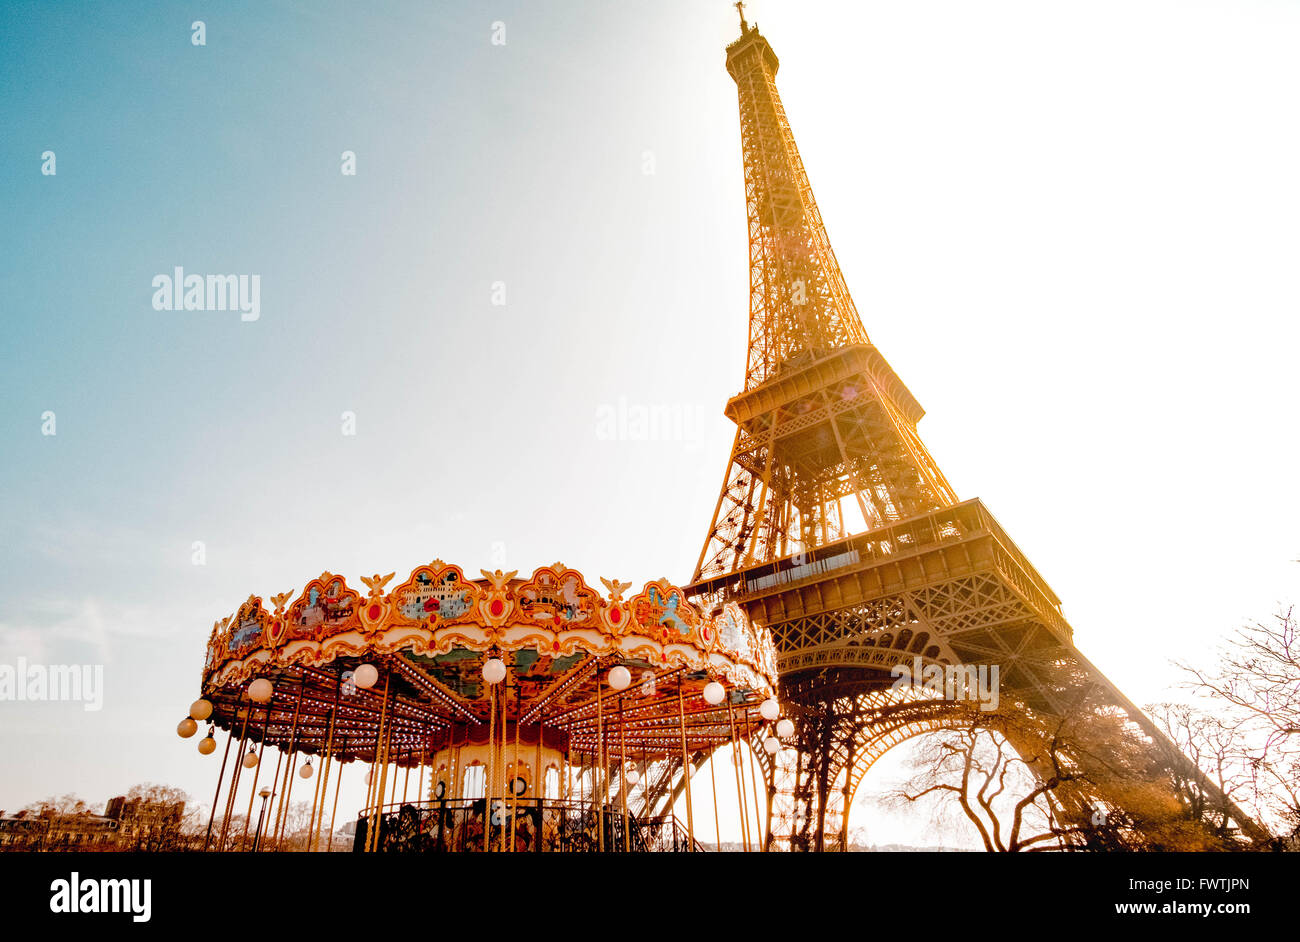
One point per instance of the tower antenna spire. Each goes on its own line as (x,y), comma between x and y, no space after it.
(740,8)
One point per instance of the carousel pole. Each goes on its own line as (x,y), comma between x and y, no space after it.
(740,789)
(338,780)
(514,795)
(377,789)
(449,764)
(234,778)
(369,802)
(600,762)
(322,775)
(287,787)
(230,736)
(686,764)
(645,778)
(453,764)
(419,782)
(315,800)
(283,807)
(370,797)
(542,777)
(325,772)
(622,772)
(319,789)
(389,764)
(501,761)
(491,755)
(537,759)
(252,793)
(566,769)
(457,784)
(370,793)
(392,792)
(275,781)
(372,777)
(564,761)
(713,780)
(385,742)
(753,779)
(395,760)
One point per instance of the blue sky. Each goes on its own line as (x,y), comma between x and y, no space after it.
(1070,227)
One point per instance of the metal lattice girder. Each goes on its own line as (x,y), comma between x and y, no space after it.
(837,428)
(798,300)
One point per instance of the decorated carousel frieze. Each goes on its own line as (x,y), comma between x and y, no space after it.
(532,713)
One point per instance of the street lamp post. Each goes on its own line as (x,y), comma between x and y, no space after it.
(265,793)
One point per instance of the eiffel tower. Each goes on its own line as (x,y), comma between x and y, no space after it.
(836,532)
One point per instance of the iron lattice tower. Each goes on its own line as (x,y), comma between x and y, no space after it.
(837,533)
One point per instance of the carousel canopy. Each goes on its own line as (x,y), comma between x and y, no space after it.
(439,655)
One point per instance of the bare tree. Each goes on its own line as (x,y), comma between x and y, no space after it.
(296,827)
(1258,674)
(1255,687)
(63,806)
(1088,775)
(995,790)
(1218,749)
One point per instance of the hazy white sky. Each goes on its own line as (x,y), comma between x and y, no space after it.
(1071,227)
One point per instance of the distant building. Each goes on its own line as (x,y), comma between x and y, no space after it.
(143,824)
(126,824)
(50,830)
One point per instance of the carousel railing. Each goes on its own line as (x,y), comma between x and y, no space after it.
(529,826)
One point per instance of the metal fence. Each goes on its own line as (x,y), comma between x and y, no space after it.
(532,826)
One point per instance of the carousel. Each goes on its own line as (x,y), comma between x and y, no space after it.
(491,714)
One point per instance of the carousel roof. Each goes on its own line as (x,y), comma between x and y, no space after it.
(431,636)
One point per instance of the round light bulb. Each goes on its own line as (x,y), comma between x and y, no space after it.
(260,690)
(785,728)
(714,693)
(200,709)
(620,678)
(207,746)
(769,709)
(186,728)
(365,676)
(250,760)
(772,745)
(633,777)
(494,670)
(305,771)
